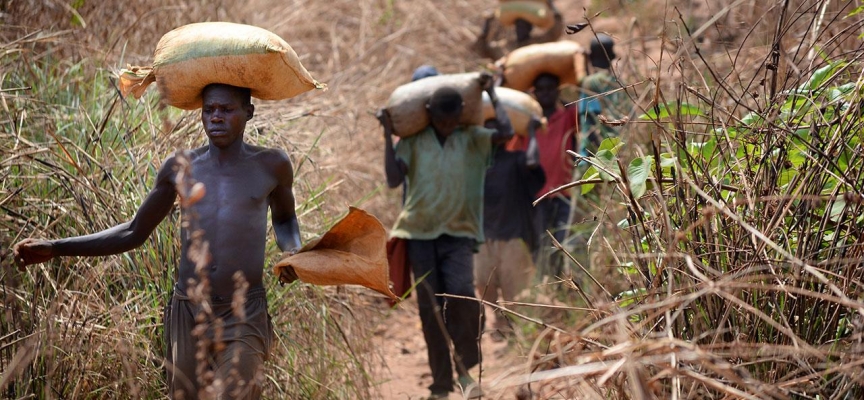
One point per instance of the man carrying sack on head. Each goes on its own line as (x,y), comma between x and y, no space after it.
(217,346)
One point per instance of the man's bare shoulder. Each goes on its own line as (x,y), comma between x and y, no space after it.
(269,155)
(272,159)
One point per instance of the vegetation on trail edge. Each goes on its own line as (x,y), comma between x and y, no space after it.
(732,210)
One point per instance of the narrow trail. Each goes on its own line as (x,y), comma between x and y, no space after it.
(406,374)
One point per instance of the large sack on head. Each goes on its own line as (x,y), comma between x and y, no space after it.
(564,59)
(407,104)
(520,107)
(535,12)
(193,56)
(352,252)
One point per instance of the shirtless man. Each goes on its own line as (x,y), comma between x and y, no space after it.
(242,181)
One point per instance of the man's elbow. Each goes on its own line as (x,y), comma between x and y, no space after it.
(393,183)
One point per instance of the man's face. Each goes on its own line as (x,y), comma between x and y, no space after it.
(546,92)
(224,115)
(445,123)
(523,30)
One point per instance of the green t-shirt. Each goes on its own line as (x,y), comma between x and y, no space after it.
(445,184)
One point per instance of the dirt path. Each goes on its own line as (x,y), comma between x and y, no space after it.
(406,374)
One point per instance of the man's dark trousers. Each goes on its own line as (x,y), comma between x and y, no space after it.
(445,265)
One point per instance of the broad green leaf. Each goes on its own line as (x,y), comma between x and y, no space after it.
(590,173)
(786,176)
(797,158)
(822,75)
(705,149)
(751,118)
(612,144)
(840,91)
(629,297)
(628,268)
(667,160)
(638,172)
(607,160)
(671,108)
(837,210)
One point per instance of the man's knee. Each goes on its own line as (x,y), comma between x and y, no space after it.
(241,371)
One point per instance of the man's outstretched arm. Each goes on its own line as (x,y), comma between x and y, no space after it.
(115,240)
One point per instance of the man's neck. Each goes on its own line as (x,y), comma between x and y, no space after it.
(549,111)
(226,154)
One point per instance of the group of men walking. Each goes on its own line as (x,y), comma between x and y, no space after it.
(467,215)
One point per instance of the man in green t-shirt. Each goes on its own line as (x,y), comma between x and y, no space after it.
(445,166)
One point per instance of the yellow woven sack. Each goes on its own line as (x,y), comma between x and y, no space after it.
(193,56)
(520,107)
(407,104)
(564,59)
(537,13)
(352,252)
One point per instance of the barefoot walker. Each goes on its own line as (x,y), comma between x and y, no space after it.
(241,182)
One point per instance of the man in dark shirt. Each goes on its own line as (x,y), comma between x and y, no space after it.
(504,260)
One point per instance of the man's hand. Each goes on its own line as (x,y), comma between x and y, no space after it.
(534,124)
(487,82)
(287,273)
(32,251)
(384,117)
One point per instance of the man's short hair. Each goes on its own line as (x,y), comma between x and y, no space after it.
(602,50)
(446,101)
(245,94)
(547,76)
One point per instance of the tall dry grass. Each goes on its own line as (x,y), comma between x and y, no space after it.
(76,158)
(724,229)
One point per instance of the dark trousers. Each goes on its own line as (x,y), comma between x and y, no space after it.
(445,265)
(551,214)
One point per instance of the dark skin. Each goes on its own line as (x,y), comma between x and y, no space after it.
(523,30)
(444,124)
(547,93)
(532,154)
(242,182)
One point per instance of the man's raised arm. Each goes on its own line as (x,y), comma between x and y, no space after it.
(394,168)
(115,240)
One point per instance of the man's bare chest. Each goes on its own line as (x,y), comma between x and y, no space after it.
(240,188)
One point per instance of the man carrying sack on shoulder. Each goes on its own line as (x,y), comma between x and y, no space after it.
(444,166)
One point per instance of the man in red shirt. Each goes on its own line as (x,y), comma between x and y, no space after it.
(552,213)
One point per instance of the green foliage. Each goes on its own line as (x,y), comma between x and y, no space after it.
(666,110)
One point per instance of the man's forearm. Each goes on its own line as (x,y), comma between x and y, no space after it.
(116,240)
(288,234)
(505,128)
(395,175)
(532,154)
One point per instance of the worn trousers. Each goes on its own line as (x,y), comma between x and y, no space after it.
(503,265)
(234,349)
(444,266)
(550,214)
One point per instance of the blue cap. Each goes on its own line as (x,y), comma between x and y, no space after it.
(424,71)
